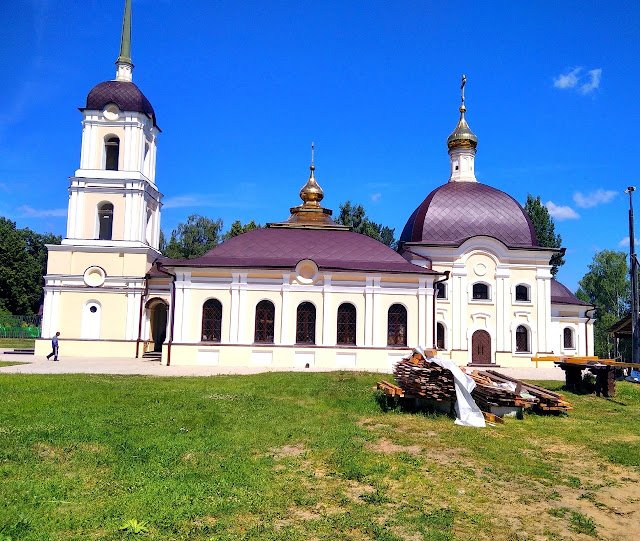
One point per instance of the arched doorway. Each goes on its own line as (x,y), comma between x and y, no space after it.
(157,322)
(481,347)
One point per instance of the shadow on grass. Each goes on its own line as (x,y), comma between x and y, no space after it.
(409,405)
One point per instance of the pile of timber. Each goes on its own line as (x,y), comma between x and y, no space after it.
(422,379)
(494,391)
(545,400)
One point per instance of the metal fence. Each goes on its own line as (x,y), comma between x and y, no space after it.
(20,326)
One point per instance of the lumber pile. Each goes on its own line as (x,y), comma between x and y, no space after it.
(492,391)
(546,400)
(422,379)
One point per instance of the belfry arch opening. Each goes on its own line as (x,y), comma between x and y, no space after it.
(111,152)
(105,221)
(157,316)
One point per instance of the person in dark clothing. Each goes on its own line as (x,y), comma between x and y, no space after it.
(54,347)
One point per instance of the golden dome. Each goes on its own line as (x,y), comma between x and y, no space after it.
(462,136)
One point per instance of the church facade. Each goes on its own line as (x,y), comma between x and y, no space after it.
(468,279)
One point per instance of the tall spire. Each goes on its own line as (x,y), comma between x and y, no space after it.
(124,63)
(462,145)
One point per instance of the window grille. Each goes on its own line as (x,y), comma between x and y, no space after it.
(522,339)
(568,338)
(306,324)
(212,321)
(522,293)
(346,324)
(480,291)
(397,326)
(265,315)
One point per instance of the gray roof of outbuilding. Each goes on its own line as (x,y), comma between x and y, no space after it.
(285,247)
(560,294)
(458,211)
(126,95)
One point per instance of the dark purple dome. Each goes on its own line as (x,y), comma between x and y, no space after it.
(280,247)
(458,211)
(127,96)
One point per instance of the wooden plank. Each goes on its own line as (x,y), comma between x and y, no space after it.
(491,418)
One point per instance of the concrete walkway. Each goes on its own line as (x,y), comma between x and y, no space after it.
(110,365)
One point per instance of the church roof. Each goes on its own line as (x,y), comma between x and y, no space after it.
(458,211)
(285,247)
(560,294)
(125,94)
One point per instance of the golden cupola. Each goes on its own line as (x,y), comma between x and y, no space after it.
(462,136)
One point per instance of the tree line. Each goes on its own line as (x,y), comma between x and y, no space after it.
(23,261)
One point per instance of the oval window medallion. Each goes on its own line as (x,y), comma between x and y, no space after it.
(307,271)
(480,269)
(94,276)
(111,112)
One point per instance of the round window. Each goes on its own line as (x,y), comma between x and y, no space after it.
(93,309)
(94,276)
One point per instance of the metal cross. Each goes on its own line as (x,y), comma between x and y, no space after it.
(464,82)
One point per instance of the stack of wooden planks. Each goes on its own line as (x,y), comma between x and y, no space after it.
(491,392)
(423,379)
(546,400)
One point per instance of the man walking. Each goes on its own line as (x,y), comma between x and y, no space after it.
(54,347)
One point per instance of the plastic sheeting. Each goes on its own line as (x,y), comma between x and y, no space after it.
(467,411)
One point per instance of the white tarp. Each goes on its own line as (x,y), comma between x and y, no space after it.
(467,411)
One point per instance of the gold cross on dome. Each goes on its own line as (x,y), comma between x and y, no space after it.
(464,82)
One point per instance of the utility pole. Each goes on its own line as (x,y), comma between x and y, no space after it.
(635,331)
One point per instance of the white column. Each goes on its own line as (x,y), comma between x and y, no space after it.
(71,212)
(459,306)
(245,326)
(430,341)
(368,312)
(179,307)
(285,311)
(94,157)
(235,309)
(328,316)
(128,211)
(379,339)
(503,303)
(46,311)
(422,312)
(186,307)
(128,334)
(543,282)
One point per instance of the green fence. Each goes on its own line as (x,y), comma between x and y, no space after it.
(20,326)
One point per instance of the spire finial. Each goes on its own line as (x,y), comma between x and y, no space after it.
(462,135)
(464,82)
(311,193)
(124,63)
(312,166)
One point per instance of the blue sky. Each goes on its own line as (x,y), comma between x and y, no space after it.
(240,90)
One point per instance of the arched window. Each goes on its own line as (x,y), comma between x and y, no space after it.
(112,153)
(568,338)
(105,221)
(346,324)
(212,321)
(522,293)
(480,291)
(397,326)
(306,324)
(522,339)
(265,316)
(440,336)
(441,290)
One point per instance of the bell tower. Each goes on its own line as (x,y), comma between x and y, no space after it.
(96,278)
(113,198)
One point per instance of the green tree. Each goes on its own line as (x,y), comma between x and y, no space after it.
(607,286)
(355,216)
(23,263)
(237,229)
(193,238)
(544,227)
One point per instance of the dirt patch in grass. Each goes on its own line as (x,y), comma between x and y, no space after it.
(288,451)
(49,453)
(385,446)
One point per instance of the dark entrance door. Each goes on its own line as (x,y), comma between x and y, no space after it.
(158,325)
(481,348)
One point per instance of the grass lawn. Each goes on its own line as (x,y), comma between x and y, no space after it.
(302,456)
(9,363)
(20,343)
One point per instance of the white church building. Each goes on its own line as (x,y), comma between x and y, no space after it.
(469,278)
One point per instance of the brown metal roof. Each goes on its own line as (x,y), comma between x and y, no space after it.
(458,211)
(284,248)
(560,294)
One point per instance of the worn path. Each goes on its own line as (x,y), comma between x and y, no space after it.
(110,365)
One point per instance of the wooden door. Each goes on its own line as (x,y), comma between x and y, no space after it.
(481,348)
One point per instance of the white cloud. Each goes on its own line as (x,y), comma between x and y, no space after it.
(375,197)
(593,199)
(567,80)
(203,200)
(585,84)
(624,243)
(29,212)
(561,213)
(593,83)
